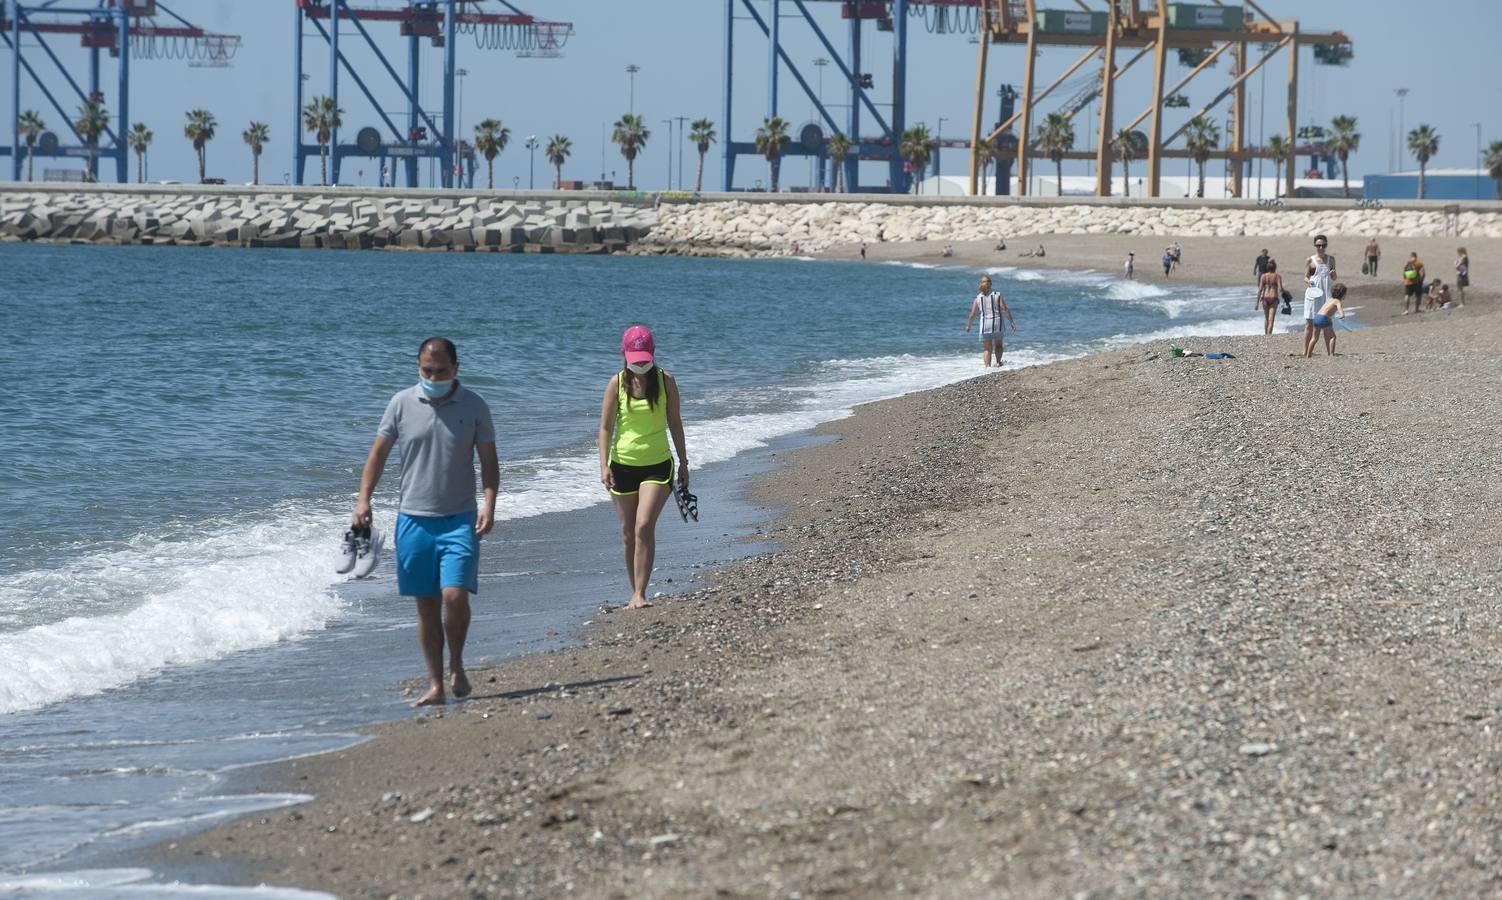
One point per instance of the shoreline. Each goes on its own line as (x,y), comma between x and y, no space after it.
(742,735)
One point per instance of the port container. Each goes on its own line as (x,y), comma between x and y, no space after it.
(1063,21)
(1205,17)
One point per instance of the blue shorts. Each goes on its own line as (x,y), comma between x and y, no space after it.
(1320,321)
(435,552)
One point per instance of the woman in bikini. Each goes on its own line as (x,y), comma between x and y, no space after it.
(1269,294)
(640,410)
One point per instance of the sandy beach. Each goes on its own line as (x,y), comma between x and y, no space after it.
(1120,625)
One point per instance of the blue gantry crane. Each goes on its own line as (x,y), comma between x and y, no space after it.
(426,133)
(883,135)
(123,29)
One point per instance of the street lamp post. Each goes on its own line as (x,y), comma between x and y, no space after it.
(1401,92)
(819,63)
(1477,126)
(531,162)
(631,70)
(681,121)
(459,129)
(938,155)
(670,152)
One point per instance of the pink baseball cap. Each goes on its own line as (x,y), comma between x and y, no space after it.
(638,345)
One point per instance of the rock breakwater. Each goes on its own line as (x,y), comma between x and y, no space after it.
(760,228)
(310,219)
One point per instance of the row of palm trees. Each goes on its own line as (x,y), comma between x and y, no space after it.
(1056,138)
(322,117)
(93,120)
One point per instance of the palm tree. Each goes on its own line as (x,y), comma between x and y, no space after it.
(93,120)
(1056,138)
(839,150)
(257,134)
(31,126)
(1280,151)
(1423,142)
(917,147)
(558,149)
(631,136)
(701,134)
(1204,136)
(1493,163)
(491,137)
(138,138)
(771,139)
(1125,146)
(322,116)
(200,130)
(1343,140)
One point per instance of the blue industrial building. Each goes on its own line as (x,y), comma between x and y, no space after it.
(1439,184)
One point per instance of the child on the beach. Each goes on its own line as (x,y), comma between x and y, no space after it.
(1323,324)
(1431,295)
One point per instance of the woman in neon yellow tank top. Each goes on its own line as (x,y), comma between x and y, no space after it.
(640,410)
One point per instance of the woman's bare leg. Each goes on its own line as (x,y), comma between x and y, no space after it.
(625,511)
(652,499)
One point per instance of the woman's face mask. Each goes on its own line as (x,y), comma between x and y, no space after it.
(640,368)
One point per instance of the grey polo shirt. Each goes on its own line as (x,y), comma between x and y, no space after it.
(437,441)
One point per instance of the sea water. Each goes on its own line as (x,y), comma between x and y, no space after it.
(186,428)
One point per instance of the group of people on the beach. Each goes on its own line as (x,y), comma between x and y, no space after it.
(1323,295)
(442,427)
(1435,294)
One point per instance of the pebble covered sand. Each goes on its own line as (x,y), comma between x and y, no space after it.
(1125,625)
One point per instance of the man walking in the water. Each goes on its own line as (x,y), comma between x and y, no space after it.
(990,306)
(441,427)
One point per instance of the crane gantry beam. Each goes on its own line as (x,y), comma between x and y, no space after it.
(1151,26)
(123,28)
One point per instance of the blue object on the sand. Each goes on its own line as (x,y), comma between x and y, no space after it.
(1342,324)
(1219,356)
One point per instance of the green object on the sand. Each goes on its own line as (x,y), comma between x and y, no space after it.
(1175,349)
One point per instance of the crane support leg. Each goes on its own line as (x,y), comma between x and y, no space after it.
(1238,129)
(727,155)
(980,96)
(1155,135)
(1293,112)
(1103,162)
(1027,101)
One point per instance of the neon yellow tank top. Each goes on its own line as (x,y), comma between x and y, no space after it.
(641,432)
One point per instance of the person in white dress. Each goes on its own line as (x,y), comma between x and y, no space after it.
(1319,274)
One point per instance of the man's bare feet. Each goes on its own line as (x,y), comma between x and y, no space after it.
(434,697)
(459,683)
(638,603)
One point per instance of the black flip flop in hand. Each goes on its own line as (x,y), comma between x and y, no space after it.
(688,504)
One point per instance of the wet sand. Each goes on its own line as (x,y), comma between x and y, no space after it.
(1124,624)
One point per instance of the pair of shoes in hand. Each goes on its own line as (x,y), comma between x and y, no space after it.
(358,551)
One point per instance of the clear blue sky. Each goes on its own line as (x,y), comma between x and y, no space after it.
(1447,57)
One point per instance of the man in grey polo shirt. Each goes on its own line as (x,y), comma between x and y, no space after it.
(440,427)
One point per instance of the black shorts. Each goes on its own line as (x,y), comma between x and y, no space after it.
(1413,290)
(629,479)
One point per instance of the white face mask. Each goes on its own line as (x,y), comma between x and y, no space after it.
(640,368)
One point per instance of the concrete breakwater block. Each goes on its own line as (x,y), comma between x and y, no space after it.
(284,220)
